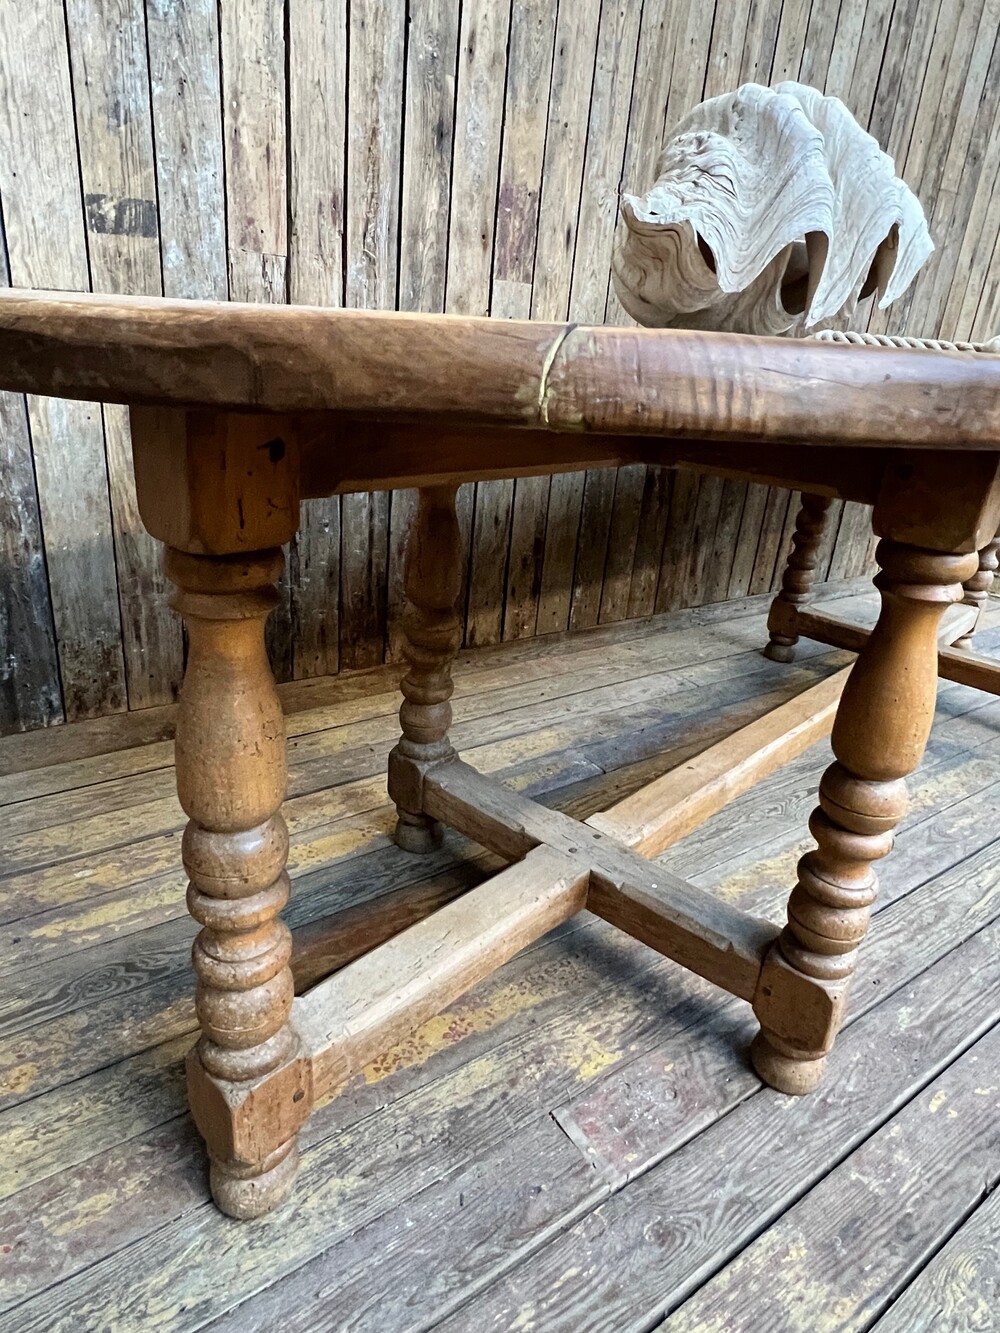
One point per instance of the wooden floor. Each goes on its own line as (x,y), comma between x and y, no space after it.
(579,1144)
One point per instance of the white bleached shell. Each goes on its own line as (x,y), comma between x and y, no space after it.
(773,212)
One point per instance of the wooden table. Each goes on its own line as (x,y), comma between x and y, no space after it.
(240,412)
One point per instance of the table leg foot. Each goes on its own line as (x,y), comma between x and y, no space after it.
(243,1195)
(780,648)
(787,1073)
(417,833)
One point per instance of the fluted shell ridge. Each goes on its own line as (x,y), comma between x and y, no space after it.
(773,211)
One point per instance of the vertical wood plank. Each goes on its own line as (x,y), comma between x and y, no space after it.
(654,61)
(430,76)
(725,542)
(253,69)
(43,211)
(571,581)
(374,144)
(725,52)
(604,159)
(114,130)
(897,104)
(769,545)
(565,150)
(559,205)
(760,42)
(898,89)
(671,589)
(701,544)
(694,39)
(525,556)
(962,166)
(977,242)
(490,547)
(30,694)
(431,70)
(748,539)
(623,542)
(849,555)
(431,61)
(186,95)
(581,572)
(478,127)
(562,527)
(804,41)
(529,77)
(933,129)
(252,37)
(654,514)
(317,129)
(850,24)
(492,85)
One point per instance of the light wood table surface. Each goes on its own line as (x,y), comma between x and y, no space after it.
(240,412)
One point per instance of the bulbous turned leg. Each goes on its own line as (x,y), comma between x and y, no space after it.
(798,578)
(879,737)
(231,778)
(977,589)
(433,632)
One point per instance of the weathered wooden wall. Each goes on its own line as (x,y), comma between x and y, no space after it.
(460,155)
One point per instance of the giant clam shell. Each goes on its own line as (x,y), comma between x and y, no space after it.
(773,212)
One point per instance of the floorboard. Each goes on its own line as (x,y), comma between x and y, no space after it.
(578,1143)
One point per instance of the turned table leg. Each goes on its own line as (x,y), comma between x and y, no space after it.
(879,736)
(799,576)
(433,632)
(231,777)
(977,588)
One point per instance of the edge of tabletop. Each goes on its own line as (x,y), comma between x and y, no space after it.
(467,369)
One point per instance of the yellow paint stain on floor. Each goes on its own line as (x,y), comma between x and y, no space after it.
(19,1078)
(937,1101)
(334,846)
(590,1057)
(86,1212)
(104,915)
(779,870)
